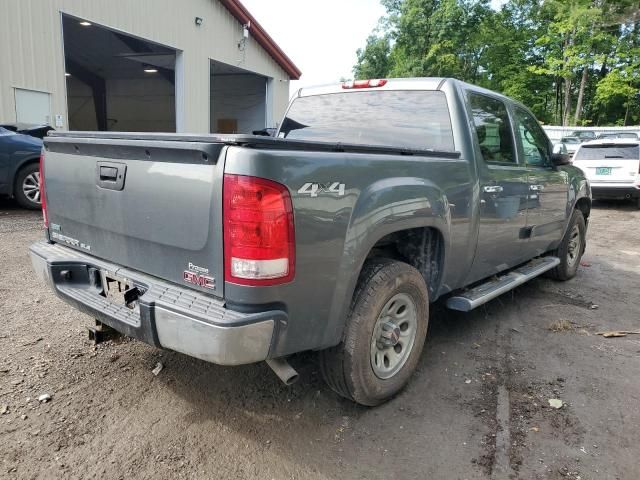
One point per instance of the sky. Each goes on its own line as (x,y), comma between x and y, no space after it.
(321,37)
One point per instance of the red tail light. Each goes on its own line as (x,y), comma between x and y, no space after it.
(259,237)
(364,84)
(43,198)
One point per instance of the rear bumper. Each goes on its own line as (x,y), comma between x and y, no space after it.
(168,316)
(615,191)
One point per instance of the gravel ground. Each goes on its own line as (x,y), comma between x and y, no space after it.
(476,409)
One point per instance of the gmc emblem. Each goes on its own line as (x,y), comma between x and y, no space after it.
(200,280)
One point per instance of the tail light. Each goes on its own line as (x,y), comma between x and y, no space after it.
(43,197)
(364,84)
(259,237)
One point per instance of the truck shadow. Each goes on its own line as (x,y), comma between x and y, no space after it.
(438,412)
(307,423)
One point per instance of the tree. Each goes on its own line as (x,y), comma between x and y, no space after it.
(570,61)
(373,59)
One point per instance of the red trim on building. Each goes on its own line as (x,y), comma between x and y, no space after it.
(241,13)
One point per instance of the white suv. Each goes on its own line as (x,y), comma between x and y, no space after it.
(612,167)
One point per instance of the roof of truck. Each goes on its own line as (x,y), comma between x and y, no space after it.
(424,83)
(415,83)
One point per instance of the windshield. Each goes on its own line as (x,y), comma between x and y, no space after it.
(600,152)
(405,119)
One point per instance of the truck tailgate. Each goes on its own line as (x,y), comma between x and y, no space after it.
(154,206)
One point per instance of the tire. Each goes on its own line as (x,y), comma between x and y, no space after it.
(571,248)
(27,187)
(638,203)
(370,370)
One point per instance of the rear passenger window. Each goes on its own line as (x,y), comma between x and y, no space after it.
(535,145)
(493,129)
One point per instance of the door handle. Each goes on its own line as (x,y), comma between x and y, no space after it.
(536,188)
(110,175)
(492,189)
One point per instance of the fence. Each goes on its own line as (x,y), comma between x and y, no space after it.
(555,133)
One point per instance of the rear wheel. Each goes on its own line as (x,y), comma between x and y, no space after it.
(27,187)
(571,248)
(384,336)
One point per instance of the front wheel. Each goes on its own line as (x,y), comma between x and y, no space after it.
(571,248)
(384,334)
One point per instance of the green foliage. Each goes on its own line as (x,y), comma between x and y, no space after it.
(373,60)
(570,61)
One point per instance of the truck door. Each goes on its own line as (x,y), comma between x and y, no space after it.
(548,186)
(503,189)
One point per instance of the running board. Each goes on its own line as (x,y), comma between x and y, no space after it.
(474,297)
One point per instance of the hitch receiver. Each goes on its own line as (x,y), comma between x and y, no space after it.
(101,333)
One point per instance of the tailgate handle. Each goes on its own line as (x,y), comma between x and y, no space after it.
(108,173)
(111,175)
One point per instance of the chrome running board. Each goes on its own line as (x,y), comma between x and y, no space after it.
(496,286)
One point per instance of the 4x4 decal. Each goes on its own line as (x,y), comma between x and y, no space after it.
(315,189)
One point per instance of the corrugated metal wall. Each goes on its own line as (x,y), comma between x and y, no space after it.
(31,55)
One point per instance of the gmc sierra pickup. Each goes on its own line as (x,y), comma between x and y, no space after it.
(375,199)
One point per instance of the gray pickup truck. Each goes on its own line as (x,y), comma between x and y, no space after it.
(376,199)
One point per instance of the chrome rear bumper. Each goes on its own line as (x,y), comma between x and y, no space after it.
(167,315)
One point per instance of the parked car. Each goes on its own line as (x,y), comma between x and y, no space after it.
(583,135)
(376,199)
(19,167)
(608,135)
(571,144)
(33,130)
(612,167)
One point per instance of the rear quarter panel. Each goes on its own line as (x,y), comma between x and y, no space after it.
(334,233)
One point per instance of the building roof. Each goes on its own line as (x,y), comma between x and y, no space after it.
(240,12)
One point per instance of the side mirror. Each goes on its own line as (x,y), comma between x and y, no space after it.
(561,159)
(560,148)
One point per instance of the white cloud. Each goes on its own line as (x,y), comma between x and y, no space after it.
(320,37)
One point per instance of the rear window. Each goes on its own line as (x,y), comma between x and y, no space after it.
(405,119)
(600,152)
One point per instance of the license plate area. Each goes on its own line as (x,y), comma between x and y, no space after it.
(121,291)
(603,170)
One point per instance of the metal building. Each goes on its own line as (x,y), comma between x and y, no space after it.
(140,65)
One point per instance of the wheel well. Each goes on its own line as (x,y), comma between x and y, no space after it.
(422,248)
(584,205)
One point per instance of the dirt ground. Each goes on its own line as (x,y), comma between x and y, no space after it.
(477,408)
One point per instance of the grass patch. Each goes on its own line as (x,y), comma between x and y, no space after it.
(561,326)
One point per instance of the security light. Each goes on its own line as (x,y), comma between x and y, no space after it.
(67,74)
(85,23)
(150,69)
(199,21)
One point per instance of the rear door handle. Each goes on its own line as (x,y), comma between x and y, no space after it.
(110,175)
(492,189)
